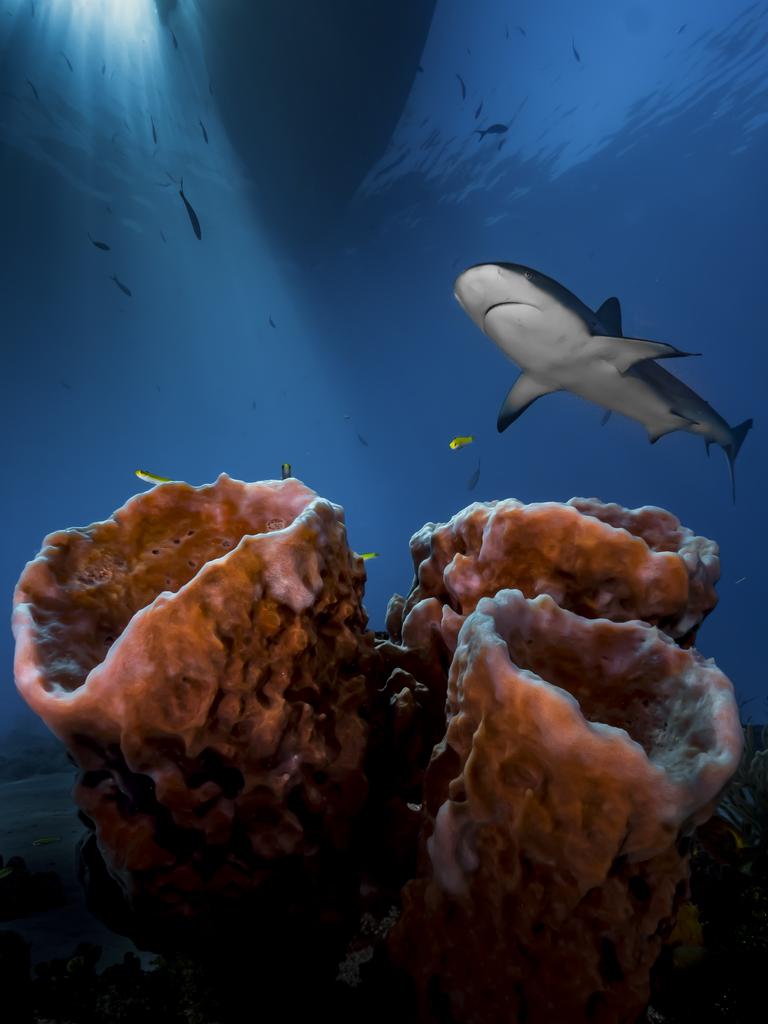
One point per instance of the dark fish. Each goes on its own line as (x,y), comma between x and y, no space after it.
(575,51)
(192,215)
(154,130)
(103,67)
(391,166)
(205,133)
(463,87)
(34,90)
(32,7)
(495,129)
(361,439)
(682,28)
(99,245)
(419,68)
(175,40)
(469,51)
(64,384)
(120,285)
(162,235)
(66,58)
(521,30)
(477,112)
(272,323)
(472,482)
(285,471)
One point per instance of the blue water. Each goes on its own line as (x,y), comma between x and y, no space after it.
(633,165)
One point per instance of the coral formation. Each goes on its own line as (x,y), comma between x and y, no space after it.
(502,793)
(578,753)
(200,655)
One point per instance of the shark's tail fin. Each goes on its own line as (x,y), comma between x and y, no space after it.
(732,450)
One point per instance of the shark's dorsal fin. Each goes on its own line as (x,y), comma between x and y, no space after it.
(523,393)
(627,352)
(609,315)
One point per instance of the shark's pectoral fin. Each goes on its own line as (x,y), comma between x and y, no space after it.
(523,393)
(605,417)
(609,315)
(624,353)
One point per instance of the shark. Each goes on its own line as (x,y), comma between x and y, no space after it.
(560,344)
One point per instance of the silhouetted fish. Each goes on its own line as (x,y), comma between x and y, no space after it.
(575,51)
(463,87)
(361,439)
(34,90)
(272,323)
(103,67)
(120,285)
(192,215)
(477,112)
(66,58)
(154,130)
(521,30)
(495,129)
(472,482)
(162,235)
(175,40)
(205,133)
(99,245)
(682,27)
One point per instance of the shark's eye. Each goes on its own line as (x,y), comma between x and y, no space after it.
(528,275)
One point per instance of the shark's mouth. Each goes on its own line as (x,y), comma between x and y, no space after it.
(507,302)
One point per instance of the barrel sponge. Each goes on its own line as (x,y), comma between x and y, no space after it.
(579,754)
(599,560)
(199,654)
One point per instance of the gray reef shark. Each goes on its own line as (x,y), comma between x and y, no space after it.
(562,345)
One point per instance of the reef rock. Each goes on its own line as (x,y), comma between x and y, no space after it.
(200,653)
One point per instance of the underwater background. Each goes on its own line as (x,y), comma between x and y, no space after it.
(229,234)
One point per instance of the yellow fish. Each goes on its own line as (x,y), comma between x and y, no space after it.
(46,840)
(459,442)
(151,478)
(285,470)
(369,554)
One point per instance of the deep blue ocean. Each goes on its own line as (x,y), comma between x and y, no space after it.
(230,232)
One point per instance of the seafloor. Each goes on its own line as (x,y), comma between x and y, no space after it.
(59,963)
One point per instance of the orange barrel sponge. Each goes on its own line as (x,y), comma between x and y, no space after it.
(199,654)
(579,755)
(599,560)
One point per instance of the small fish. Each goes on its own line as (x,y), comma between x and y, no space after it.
(66,58)
(495,129)
(4,872)
(682,28)
(162,235)
(285,471)
(605,417)
(205,133)
(99,245)
(46,840)
(741,579)
(361,439)
(175,40)
(477,112)
(460,441)
(473,480)
(152,478)
(121,286)
(521,30)
(575,51)
(368,555)
(463,87)
(272,323)
(192,215)
(34,90)
(103,66)
(419,68)
(154,130)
